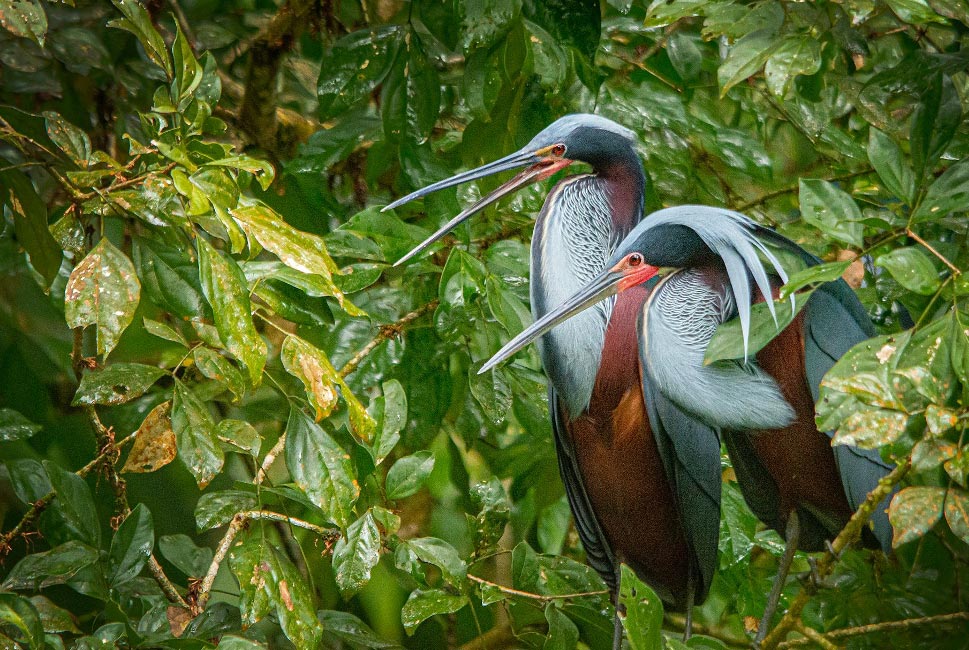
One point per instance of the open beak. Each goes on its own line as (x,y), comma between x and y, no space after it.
(608,283)
(538,169)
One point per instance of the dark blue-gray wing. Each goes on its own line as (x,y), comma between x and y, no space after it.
(690,452)
(834,322)
(597,551)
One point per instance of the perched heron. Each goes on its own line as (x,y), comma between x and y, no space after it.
(641,476)
(789,473)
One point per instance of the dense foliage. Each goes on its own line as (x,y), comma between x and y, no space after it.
(225,419)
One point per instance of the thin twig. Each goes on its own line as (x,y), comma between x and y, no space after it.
(885,626)
(955,270)
(387,332)
(814,636)
(270,458)
(532,596)
(238,523)
(500,636)
(677,622)
(848,536)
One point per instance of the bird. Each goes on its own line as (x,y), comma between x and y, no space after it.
(642,478)
(790,475)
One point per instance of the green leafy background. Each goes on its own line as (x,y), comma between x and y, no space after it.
(226,420)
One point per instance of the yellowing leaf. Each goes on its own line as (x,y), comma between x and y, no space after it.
(154,445)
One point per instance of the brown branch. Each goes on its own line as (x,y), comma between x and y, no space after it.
(258,111)
(885,626)
(500,636)
(955,270)
(532,596)
(677,622)
(814,636)
(387,332)
(238,523)
(797,188)
(848,536)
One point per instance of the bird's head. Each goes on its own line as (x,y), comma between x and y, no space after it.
(581,137)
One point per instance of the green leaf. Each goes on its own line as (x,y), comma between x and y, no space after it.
(163,331)
(170,278)
(912,268)
(685,55)
(230,642)
(268,581)
(491,391)
(936,118)
(103,290)
(21,613)
(53,618)
(957,512)
(914,511)
(311,366)
(562,632)
(442,555)
(831,210)
(421,605)
(226,290)
(320,468)
(408,474)
(871,428)
(218,508)
(215,366)
(356,65)
(30,222)
(728,343)
(72,141)
(746,57)
(817,274)
(390,409)
(28,479)
(117,383)
(494,513)
(131,546)
(351,630)
(797,55)
(14,426)
(355,555)
(241,435)
(643,621)
(949,193)
(53,567)
(75,503)
(182,552)
(24,18)
(137,21)
(485,23)
(188,72)
(887,159)
(195,435)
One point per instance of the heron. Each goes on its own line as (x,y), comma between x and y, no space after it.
(641,476)
(790,475)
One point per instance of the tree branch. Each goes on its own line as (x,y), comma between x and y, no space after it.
(848,536)
(886,626)
(760,200)
(532,596)
(387,332)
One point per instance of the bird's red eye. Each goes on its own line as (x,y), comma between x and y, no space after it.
(558,150)
(635,259)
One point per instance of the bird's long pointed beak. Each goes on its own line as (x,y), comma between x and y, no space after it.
(603,286)
(538,169)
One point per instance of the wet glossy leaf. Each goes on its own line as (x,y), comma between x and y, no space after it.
(390,409)
(746,57)
(28,479)
(934,122)
(492,393)
(154,445)
(269,582)
(887,159)
(21,614)
(643,621)
(75,503)
(230,642)
(117,383)
(817,274)
(103,290)
(53,618)
(912,268)
(948,193)
(408,474)
(356,64)
(871,428)
(685,55)
(195,435)
(796,55)
(24,18)
(442,555)
(215,366)
(355,555)
(485,23)
(494,512)
(914,511)
(137,21)
(53,567)
(30,223)
(226,290)
(831,210)
(131,546)
(169,278)
(421,605)
(351,630)
(320,467)
(72,141)
(728,343)
(163,331)
(562,632)
(183,553)
(957,512)
(14,426)
(188,72)
(218,508)
(241,435)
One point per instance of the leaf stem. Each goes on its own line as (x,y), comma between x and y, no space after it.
(532,596)
(955,270)
(884,626)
